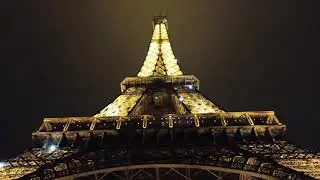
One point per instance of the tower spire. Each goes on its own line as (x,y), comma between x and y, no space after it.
(160,60)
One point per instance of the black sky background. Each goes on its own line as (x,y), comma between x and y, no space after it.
(67,58)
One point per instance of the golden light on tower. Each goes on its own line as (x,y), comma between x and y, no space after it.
(160,60)
(161,120)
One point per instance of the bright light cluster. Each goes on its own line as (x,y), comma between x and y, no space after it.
(150,61)
(156,32)
(160,49)
(309,166)
(123,104)
(31,160)
(16,172)
(3,164)
(52,147)
(170,62)
(164,33)
(198,104)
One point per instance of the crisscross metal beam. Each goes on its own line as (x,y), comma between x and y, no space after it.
(178,172)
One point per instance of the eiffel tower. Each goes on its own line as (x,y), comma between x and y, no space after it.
(162,127)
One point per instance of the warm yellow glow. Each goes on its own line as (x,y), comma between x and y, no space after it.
(308,166)
(16,172)
(31,160)
(156,32)
(164,33)
(197,104)
(160,49)
(123,104)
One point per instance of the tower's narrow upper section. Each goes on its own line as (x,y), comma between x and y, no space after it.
(160,60)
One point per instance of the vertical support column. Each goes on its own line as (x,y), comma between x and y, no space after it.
(188,172)
(96,177)
(126,173)
(157,174)
(220,175)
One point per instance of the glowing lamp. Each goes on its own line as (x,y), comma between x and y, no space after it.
(3,164)
(52,148)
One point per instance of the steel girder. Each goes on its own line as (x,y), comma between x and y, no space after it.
(165,171)
(222,159)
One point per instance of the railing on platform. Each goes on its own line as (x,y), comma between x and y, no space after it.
(147,81)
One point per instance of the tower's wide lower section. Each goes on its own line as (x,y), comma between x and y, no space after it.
(176,160)
(225,145)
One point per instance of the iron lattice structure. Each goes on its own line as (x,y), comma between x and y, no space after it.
(162,127)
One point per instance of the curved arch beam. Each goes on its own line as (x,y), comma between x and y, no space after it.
(152,166)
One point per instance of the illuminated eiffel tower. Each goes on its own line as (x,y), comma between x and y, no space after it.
(162,127)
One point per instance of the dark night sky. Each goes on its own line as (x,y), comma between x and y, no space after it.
(67,58)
